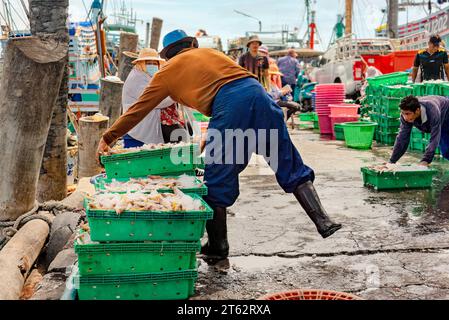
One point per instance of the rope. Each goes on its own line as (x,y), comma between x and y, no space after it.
(12,227)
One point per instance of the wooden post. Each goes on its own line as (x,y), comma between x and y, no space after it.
(50,17)
(111,99)
(147,34)
(18,257)
(126,64)
(91,130)
(128,42)
(33,70)
(156,29)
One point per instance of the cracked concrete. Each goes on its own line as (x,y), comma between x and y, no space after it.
(394,245)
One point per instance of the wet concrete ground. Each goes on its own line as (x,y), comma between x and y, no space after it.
(394,245)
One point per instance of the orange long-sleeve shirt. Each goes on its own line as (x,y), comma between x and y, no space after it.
(192,78)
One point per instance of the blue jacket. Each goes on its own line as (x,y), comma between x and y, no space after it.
(434,110)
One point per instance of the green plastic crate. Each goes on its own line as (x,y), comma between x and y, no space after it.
(432,89)
(419,89)
(397,92)
(390,107)
(149,286)
(101,181)
(136,257)
(398,180)
(374,117)
(369,99)
(307,117)
(389,130)
(154,162)
(359,135)
(387,138)
(388,79)
(444,89)
(416,133)
(389,122)
(108,226)
(417,145)
(377,109)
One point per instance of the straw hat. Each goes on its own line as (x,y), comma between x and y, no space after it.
(253,39)
(148,54)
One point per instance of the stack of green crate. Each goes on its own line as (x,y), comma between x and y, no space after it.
(384,94)
(140,255)
(420,141)
(387,113)
(426,142)
(417,141)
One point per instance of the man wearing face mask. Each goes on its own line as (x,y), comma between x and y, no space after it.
(164,119)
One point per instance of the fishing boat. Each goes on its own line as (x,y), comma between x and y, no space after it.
(84,79)
(415,35)
(119,20)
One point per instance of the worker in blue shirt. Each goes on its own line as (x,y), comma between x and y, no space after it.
(430,115)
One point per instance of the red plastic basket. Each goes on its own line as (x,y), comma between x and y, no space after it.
(325,124)
(311,295)
(342,119)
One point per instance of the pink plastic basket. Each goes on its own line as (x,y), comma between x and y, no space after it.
(344,109)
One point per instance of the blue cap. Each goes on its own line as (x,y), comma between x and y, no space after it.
(173,38)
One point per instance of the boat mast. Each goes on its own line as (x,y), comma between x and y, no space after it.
(348,15)
(393,18)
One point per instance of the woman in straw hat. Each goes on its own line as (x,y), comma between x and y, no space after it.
(164,119)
